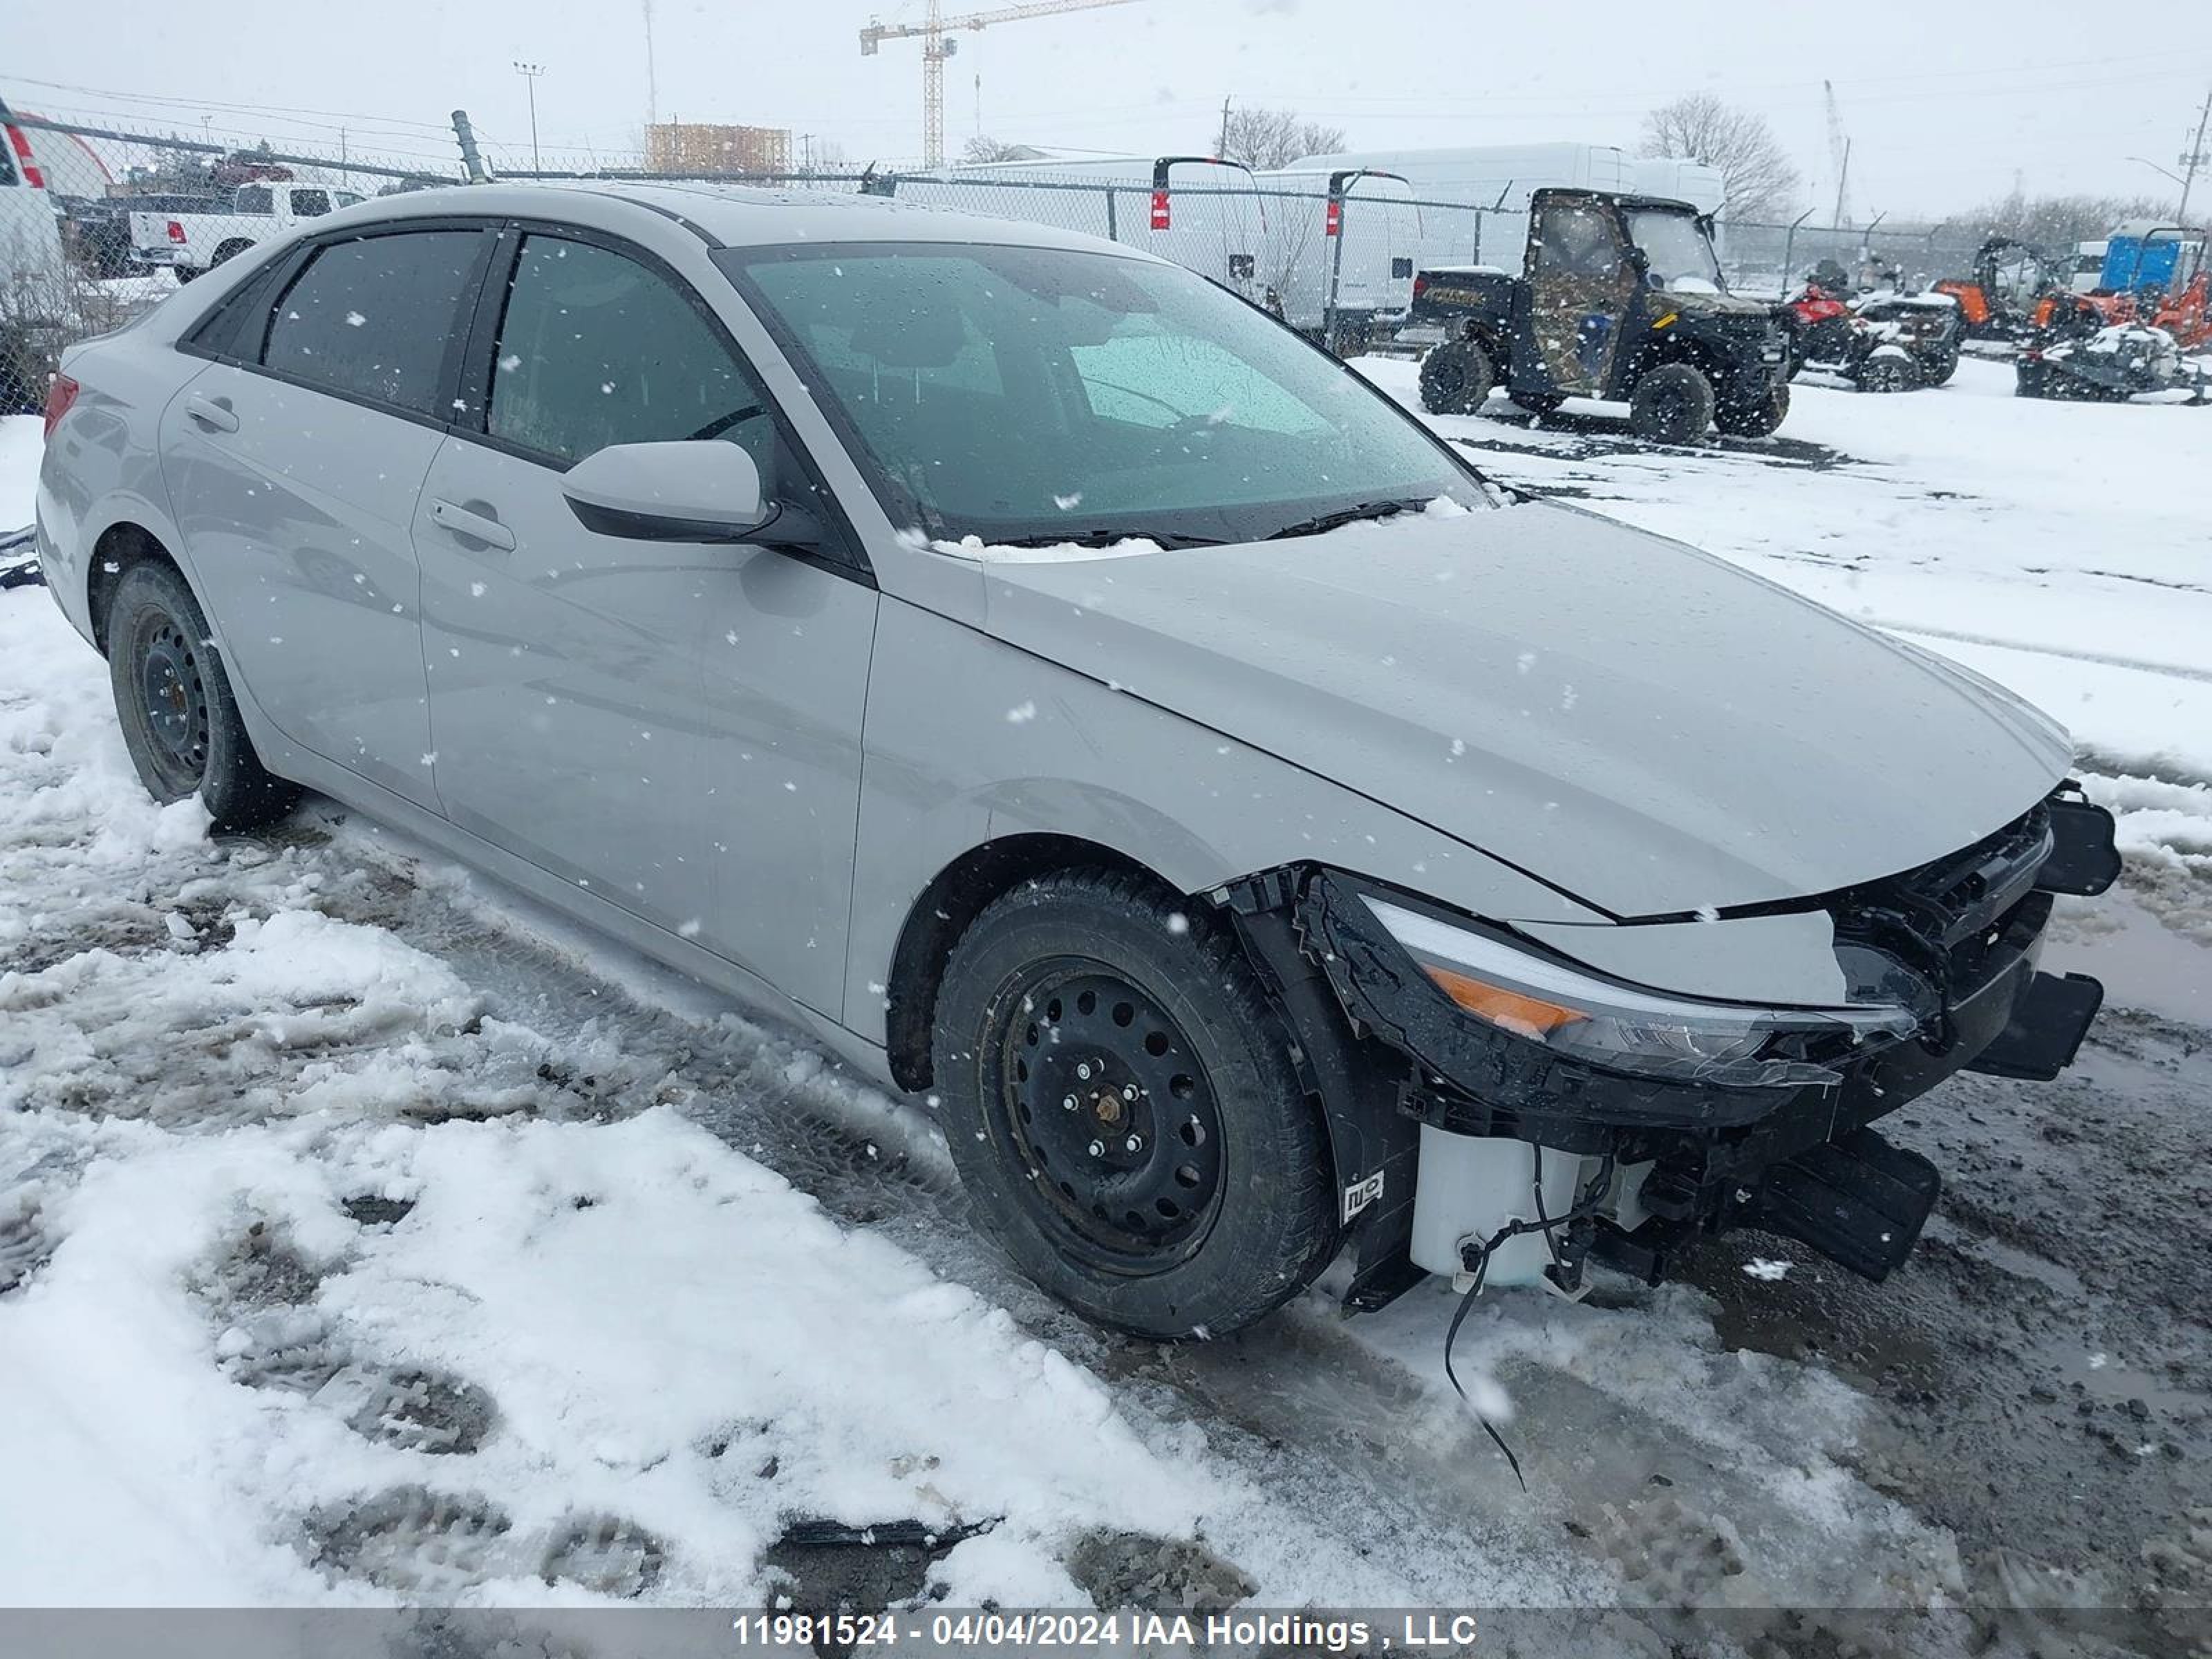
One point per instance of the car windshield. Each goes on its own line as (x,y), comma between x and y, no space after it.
(1024,395)
(1680,252)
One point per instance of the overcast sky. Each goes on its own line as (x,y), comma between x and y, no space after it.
(1941,112)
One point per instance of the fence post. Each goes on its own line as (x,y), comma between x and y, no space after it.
(471,160)
(1113,226)
(1788,242)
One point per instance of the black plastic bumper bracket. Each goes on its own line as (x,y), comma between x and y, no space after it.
(2045,1032)
(1859,1201)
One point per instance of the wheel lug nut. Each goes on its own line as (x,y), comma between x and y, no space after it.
(1128,1091)
(1133,1144)
(1067,1102)
(1098,1149)
(1083,1070)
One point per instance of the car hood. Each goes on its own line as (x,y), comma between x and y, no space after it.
(1645,725)
(1695,302)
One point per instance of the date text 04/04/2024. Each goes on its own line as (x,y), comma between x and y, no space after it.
(1077,1630)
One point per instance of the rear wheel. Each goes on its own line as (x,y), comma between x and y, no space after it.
(180,721)
(229,251)
(183,274)
(1757,417)
(1456,377)
(1118,1095)
(1939,368)
(1672,404)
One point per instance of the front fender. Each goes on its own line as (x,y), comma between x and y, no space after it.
(970,740)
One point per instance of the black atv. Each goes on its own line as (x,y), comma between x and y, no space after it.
(1883,341)
(1623,299)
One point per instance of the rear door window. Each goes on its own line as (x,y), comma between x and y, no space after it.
(310,203)
(253,199)
(373,318)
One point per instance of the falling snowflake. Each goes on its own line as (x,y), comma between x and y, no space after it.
(355,320)
(1759,1267)
(1021,713)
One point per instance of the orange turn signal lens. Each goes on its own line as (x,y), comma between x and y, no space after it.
(1515,1011)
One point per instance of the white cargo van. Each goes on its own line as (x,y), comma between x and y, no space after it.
(1340,259)
(1197,211)
(33,285)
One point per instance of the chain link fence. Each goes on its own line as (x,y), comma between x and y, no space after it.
(134,214)
(97,223)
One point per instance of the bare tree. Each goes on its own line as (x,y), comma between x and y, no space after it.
(983,148)
(1267,138)
(2056,222)
(1757,180)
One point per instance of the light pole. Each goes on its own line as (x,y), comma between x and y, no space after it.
(530,72)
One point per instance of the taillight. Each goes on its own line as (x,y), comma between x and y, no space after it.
(29,168)
(1331,223)
(1159,209)
(61,394)
(1421,284)
(176,231)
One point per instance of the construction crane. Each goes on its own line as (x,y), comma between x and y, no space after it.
(1839,155)
(935,49)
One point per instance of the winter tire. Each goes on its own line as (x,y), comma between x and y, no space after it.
(1940,368)
(180,720)
(1119,1096)
(183,274)
(1886,375)
(1672,404)
(229,251)
(1756,419)
(1456,378)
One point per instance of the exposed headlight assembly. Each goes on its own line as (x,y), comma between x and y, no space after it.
(1627,1029)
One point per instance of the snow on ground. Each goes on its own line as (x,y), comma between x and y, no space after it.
(367,1232)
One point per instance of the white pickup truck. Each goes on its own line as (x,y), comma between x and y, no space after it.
(190,243)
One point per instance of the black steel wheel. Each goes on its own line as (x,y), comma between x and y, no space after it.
(172,698)
(1117,1091)
(1111,1114)
(172,704)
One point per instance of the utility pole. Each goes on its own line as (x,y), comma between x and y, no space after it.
(1222,148)
(2195,159)
(530,72)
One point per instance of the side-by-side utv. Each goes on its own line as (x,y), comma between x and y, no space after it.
(1622,299)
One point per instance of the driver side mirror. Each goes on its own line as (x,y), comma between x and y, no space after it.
(1638,261)
(695,490)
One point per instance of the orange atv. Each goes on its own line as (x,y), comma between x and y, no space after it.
(1991,309)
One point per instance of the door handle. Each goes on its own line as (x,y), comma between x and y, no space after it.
(214,413)
(472,526)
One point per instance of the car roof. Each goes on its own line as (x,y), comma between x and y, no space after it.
(742,216)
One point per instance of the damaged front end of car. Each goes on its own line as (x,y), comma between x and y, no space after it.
(1503,1112)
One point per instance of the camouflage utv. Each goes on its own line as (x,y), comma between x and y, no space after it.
(1622,299)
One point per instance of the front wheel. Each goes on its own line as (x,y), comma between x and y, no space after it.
(1757,417)
(1887,374)
(1118,1095)
(180,721)
(1456,377)
(1672,404)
